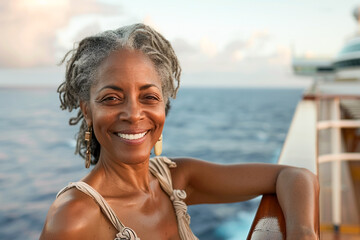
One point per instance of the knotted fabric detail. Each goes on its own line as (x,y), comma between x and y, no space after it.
(125,234)
(159,167)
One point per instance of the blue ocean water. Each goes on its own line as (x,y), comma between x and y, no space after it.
(218,125)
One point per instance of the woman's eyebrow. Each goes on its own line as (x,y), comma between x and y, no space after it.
(148,86)
(114,87)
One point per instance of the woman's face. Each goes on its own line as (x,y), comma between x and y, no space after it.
(126,107)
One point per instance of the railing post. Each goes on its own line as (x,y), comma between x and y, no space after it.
(336,167)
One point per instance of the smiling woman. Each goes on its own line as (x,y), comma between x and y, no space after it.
(121,82)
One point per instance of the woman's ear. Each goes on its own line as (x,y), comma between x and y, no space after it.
(86,111)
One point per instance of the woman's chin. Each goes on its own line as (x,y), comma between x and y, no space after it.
(133,158)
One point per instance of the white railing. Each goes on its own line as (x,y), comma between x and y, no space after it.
(335,124)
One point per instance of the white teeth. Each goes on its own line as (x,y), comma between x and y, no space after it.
(131,136)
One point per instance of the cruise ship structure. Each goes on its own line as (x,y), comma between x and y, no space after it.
(324,137)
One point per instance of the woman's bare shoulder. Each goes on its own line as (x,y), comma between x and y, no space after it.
(185,168)
(182,164)
(73,215)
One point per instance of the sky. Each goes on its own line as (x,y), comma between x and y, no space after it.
(219,43)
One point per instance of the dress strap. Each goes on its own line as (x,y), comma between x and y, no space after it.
(159,167)
(125,233)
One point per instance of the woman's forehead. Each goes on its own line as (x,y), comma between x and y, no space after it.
(130,66)
(126,58)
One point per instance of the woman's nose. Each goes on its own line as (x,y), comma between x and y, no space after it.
(131,111)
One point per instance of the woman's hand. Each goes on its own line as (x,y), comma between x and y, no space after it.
(297,190)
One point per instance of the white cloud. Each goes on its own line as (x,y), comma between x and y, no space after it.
(281,56)
(238,55)
(148,20)
(30,28)
(182,47)
(208,47)
(248,61)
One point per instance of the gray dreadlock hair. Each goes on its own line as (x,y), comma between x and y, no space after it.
(83,61)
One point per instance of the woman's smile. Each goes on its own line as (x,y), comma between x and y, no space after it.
(129,136)
(136,137)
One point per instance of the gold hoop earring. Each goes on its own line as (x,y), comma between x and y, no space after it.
(88,135)
(158,146)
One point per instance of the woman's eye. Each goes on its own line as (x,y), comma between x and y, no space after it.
(110,100)
(152,97)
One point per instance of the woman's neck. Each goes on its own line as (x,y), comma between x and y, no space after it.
(124,177)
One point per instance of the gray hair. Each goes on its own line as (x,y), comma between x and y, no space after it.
(83,61)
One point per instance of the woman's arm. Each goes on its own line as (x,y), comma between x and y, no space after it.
(297,189)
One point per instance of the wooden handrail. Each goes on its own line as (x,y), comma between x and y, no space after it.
(269,222)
